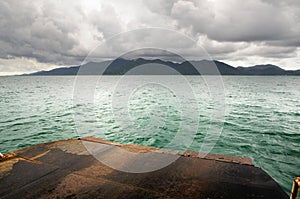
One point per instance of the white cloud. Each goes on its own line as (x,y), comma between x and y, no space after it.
(22,65)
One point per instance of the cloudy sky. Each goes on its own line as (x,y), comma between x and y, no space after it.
(44,34)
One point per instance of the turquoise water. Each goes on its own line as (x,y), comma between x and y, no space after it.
(262,115)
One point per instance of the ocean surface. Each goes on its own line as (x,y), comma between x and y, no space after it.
(256,117)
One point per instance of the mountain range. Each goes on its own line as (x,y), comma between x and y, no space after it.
(143,66)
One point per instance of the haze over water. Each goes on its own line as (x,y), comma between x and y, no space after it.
(262,116)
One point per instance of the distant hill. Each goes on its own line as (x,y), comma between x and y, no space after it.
(142,66)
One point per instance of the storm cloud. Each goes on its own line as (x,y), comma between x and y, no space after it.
(46,34)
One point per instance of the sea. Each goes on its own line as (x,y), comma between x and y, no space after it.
(250,116)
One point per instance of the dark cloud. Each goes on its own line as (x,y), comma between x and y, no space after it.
(63,32)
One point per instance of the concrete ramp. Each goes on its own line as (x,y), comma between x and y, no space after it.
(65,169)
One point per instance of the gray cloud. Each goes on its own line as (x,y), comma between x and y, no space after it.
(63,32)
(31,31)
(236,21)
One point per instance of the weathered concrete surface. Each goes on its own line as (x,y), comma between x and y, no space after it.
(64,169)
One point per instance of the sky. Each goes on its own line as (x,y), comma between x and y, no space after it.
(43,34)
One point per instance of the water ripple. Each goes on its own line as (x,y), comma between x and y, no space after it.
(262,117)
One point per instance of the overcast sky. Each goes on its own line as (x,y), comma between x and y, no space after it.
(41,35)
